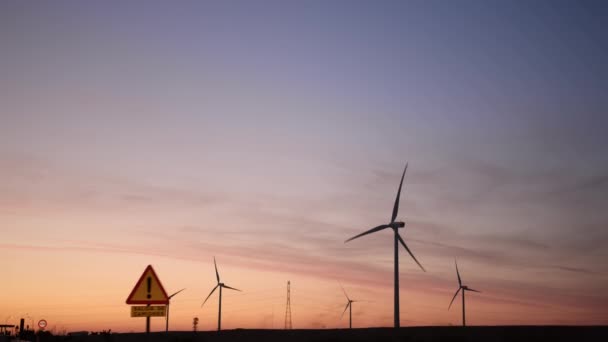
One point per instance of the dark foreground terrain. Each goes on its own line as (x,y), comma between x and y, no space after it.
(498,333)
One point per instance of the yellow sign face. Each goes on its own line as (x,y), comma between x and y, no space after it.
(149,311)
(148,290)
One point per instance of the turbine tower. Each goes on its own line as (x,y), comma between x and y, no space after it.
(464,288)
(167,318)
(349,306)
(220,285)
(395,225)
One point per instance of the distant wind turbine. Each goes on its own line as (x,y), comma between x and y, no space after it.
(394,225)
(167,319)
(349,306)
(220,285)
(464,288)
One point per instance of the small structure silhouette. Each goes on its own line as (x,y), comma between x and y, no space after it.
(195,324)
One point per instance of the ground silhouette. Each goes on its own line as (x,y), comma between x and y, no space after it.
(469,334)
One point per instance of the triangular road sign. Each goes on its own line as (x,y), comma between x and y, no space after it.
(148,290)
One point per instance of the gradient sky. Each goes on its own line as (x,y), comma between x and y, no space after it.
(265,133)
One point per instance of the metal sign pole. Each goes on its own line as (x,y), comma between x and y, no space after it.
(148,323)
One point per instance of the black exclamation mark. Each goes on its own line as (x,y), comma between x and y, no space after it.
(149,287)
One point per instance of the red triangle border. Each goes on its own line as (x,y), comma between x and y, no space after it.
(139,282)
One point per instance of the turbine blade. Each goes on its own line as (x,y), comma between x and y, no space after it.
(455,294)
(171,296)
(473,290)
(408,250)
(396,207)
(216,286)
(457,273)
(373,230)
(231,288)
(344,310)
(344,291)
(217,275)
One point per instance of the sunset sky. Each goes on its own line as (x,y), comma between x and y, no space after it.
(265,133)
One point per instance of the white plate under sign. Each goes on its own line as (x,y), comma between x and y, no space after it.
(149,311)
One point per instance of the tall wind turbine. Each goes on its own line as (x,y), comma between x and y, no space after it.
(220,285)
(394,225)
(464,288)
(349,306)
(168,304)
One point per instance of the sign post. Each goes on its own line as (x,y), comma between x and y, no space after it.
(42,324)
(148,290)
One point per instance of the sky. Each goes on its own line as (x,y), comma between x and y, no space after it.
(266,133)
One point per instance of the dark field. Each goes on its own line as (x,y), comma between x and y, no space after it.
(499,333)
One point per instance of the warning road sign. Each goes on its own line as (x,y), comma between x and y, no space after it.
(148,290)
(149,311)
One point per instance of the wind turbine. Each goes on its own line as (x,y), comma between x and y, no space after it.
(464,288)
(220,285)
(394,225)
(167,319)
(349,306)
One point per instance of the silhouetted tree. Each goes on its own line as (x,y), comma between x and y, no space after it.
(194,324)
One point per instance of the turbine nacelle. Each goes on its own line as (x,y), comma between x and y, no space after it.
(397,225)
